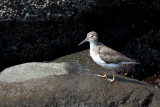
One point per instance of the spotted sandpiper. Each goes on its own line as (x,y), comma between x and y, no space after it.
(105,56)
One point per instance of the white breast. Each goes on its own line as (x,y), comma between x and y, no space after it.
(95,56)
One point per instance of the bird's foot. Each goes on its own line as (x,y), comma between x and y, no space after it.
(111,80)
(103,76)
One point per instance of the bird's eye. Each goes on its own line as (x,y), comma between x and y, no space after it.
(91,36)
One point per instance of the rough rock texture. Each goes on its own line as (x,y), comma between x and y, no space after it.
(35,30)
(26,9)
(78,88)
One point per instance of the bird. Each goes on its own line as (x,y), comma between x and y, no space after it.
(105,56)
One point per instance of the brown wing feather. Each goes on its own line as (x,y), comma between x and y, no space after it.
(111,56)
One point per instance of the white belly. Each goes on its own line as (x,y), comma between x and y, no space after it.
(100,62)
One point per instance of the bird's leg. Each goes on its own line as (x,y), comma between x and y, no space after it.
(113,79)
(103,76)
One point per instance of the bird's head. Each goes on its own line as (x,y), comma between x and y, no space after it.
(91,37)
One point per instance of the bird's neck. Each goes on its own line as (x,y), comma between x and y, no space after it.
(93,43)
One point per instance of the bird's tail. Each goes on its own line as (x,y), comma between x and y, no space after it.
(129,63)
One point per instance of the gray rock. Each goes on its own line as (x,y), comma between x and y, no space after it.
(32,70)
(79,88)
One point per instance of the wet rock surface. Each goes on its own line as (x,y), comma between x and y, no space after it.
(79,87)
(44,30)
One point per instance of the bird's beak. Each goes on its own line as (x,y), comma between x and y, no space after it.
(83,41)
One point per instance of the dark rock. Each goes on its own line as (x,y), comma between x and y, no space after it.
(78,87)
(147,51)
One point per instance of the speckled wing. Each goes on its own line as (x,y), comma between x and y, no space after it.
(111,56)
